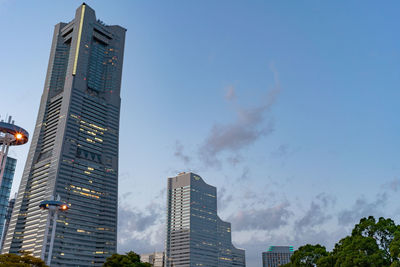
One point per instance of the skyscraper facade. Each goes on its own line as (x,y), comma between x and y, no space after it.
(277,256)
(74,149)
(196,236)
(10,208)
(5,189)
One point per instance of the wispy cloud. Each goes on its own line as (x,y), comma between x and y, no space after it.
(230,92)
(224,198)
(132,220)
(281,152)
(141,230)
(250,124)
(262,219)
(179,153)
(363,208)
(317,214)
(393,185)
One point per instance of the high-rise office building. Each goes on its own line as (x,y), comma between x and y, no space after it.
(5,189)
(196,236)
(277,256)
(10,208)
(74,149)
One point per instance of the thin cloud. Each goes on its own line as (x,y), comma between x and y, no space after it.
(317,214)
(363,208)
(131,220)
(179,153)
(393,185)
(142,242)
(262,219)
(250,125)
(126,195)
(224,199)
(235,159)
(230,93)
(245,174)
(140,231)
(281,152)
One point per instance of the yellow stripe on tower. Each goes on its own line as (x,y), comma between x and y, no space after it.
(78,43)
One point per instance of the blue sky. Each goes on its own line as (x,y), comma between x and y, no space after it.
(289,108)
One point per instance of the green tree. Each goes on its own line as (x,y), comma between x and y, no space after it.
(359,251)
(308,255)
(371,244)
(383,231)
(24,260)
(395,248)
(130,259)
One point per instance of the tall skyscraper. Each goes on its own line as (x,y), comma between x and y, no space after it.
(196,236)
(74,149)
(277,256)
(5,189)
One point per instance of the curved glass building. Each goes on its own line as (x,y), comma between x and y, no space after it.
(196,236)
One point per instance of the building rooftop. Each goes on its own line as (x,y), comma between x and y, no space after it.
(280,249)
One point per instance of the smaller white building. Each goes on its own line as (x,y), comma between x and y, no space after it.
(156,259)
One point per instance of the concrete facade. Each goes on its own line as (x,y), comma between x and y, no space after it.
(196,236)
(156,259)
(74,148)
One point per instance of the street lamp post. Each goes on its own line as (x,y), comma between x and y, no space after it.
(10,135)
(53,206)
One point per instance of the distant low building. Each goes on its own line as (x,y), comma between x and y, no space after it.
(277,256)
(157,259)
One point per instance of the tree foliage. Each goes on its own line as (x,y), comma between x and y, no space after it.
(130,259)
(371,244)
(24,260)
(308,255)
